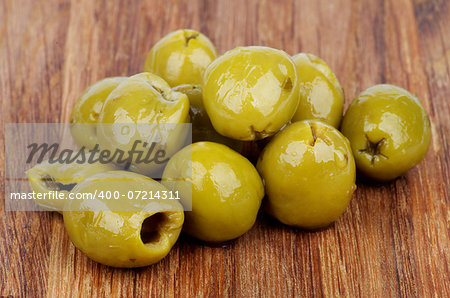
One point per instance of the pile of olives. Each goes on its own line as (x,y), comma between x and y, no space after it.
(288,108)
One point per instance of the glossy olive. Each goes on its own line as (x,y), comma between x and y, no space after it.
(309,174)
(225,188)
(46,177)
(249,93)
(194,93)
(143,108)
(123,232)
(202,129)
(87,109)
(389,131)
(181,57)
(321,95)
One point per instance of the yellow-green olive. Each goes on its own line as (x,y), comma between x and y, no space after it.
(87,109)
(321,95)
(249,93)
(309,174)
(194,93)
(389,131)
(181,57)
(225,188)
(202,129)
(46,177)
(123,232)
(143,110)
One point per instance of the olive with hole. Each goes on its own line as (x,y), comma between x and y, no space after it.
(389,131)
(309,174)
(45,177)
(125,230)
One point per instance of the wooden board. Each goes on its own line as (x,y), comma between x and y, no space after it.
(392,241)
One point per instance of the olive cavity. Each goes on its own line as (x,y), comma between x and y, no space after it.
(52,184)
(151,228)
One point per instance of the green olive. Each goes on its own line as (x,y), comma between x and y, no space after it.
(225,188)
(123,232)
(202,129)
(87,109)
(321,95)
(249,93)
(389,131)
(144,109)
(181,57)
(194,93)
(309,174)
(46,177)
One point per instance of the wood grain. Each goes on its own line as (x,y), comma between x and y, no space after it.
(392,241)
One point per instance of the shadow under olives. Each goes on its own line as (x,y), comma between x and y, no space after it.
(188,239)
(268,220)
(151,228)
(363,179)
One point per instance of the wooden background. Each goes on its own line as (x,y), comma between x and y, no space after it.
(392,241)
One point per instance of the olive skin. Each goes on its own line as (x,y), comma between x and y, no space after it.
(225,187)
(181,57)
(389,131)
(249,93)
(202,129)
(194,93)
(321,95)
(309,174)
(87,109)
(46,177)
(143,108)
(123,233)
(145,98)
